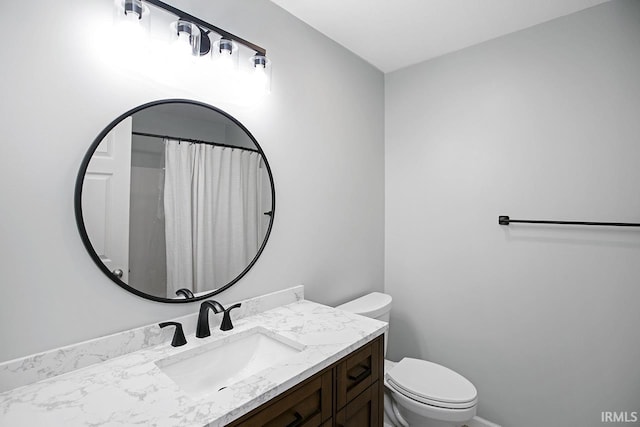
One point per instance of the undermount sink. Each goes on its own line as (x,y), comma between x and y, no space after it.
(215,366)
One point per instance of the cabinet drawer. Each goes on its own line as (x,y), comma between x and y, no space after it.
(306,405)
(359,371)
(364,410)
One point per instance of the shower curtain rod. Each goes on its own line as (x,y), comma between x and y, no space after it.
(197,141)
(505,220)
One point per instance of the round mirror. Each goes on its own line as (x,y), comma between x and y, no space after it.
(175,200)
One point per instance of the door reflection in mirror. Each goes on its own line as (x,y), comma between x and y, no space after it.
(106,199)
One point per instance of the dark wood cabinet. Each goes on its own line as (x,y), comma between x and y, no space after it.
(307,404)
(363,410)
(358,371)
(347,393)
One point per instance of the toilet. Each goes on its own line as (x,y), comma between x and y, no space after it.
(418,393)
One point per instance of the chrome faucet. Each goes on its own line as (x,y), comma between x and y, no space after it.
(202,329)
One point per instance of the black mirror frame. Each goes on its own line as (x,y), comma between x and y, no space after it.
(78,202)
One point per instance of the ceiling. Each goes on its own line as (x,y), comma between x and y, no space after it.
(393,34)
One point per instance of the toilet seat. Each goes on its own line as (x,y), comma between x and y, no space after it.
(432,384)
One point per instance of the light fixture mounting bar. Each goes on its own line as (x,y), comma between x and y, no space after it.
(200,23)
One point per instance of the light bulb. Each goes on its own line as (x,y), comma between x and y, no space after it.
(259,78)
(182,45)
(225,57)
(131,18)
(225,63)
(260,75)
(185,40)
(130,27)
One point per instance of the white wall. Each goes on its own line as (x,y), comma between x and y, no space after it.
(540,124)
(321,129)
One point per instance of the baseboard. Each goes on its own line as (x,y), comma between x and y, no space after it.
(481,422)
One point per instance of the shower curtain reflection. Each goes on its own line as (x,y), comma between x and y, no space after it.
(212,214)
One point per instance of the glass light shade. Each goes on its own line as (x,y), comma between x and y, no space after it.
(185,39)
(260,74)
(225,55)
(131,18)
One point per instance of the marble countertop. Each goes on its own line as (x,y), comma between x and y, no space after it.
(131,390)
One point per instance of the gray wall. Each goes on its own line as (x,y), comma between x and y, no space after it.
(540,124)
(321,129)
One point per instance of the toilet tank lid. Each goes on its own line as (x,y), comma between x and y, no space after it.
(371,305)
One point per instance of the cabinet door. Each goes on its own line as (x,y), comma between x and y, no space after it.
(358,371)
(306,405)
(363,411)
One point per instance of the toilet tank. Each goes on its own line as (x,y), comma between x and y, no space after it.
(375,305)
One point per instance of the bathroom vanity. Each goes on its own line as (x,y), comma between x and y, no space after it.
(327,370)
(348,393)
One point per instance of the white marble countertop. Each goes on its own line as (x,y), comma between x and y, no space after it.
(131,390)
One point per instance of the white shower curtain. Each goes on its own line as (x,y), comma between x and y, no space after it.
(212,214)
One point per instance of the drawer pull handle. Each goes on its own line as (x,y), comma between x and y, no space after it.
(362,375)
(298,421)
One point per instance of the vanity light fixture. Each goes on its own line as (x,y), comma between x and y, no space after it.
(132,19)
(185,39)
(133,8)
(225,54)
(261,73)
(190,37)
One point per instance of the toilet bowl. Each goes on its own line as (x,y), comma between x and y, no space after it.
(418,393)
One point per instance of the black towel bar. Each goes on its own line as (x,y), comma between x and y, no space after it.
(505,220)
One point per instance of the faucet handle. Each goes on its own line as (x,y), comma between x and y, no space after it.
(178,335)
(226,320)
